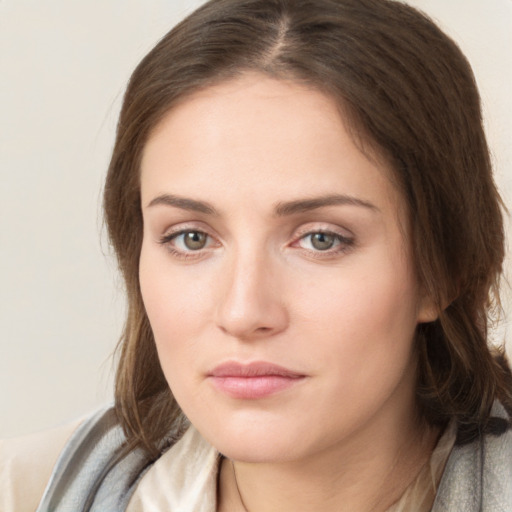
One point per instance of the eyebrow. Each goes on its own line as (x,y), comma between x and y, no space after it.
(282,209)
(184,204)
(305,205)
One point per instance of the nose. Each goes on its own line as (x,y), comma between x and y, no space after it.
(251,305)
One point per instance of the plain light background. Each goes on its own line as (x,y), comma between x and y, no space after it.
(64,68)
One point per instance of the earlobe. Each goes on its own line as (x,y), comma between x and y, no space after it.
(428,311)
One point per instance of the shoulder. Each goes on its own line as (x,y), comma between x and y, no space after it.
(478,475)
(26,465)
(497,471)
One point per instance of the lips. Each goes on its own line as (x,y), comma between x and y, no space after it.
(252,381)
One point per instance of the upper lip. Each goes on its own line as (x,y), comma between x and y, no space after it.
(254,369)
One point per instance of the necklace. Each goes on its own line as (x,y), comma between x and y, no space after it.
(238,489)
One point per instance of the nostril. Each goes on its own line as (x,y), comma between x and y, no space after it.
(249,308)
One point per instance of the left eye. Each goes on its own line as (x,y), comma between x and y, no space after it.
(321,241)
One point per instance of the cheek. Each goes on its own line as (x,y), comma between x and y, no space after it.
(177,304)
(359,301)
(363,322)
(364,331)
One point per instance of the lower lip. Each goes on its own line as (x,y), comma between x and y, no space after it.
(251,388)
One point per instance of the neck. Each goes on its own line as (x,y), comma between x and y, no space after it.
(368,472)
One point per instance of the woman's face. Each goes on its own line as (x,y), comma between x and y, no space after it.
(276,273)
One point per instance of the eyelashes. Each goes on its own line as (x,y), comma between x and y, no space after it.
(317,243)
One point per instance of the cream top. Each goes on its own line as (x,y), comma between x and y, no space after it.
(183,479)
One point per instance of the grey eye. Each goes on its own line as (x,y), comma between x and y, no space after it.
(195,240)
(322,241)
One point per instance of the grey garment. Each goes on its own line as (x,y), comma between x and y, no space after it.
(90,475)
(478,476)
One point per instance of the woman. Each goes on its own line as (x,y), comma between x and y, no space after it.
(301,201)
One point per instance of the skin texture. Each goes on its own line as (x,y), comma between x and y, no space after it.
(259,289)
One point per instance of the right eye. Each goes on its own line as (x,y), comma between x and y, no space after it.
(191,240)
(187,241)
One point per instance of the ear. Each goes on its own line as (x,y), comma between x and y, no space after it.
(428,310)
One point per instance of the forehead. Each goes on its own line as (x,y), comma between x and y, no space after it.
(246,110)
(259,138)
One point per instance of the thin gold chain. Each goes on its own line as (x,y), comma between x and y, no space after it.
(238,488)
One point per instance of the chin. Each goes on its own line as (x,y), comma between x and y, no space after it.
(255,439)
(265,448)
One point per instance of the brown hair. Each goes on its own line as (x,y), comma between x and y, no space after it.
(410,95)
